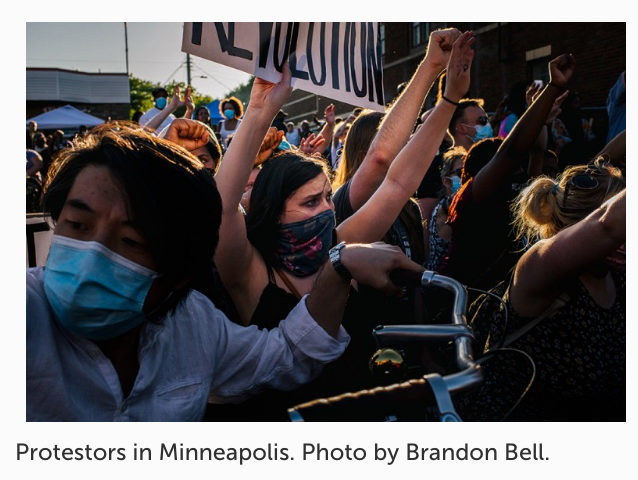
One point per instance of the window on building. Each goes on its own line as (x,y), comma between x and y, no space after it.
(419,34)
(382,37)
(539,70)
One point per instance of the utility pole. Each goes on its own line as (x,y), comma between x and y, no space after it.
(188,69)
(126,44)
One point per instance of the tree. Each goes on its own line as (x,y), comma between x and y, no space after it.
(242,92)
(142,99)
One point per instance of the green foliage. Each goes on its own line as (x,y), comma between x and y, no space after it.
(142,100)
(242,92)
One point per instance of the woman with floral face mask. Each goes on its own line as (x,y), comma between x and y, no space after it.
(273,256)
(232,111)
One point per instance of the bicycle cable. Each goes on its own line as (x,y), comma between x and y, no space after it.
(505,309)
(529,385)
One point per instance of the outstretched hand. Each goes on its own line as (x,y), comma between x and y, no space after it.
(270,97)
(176,101)
(532,92)
(189,134)
(556,110)
(310,144)
(329,114)
(188,99)
(459,67)
(371,264)
(561,69)
(440,47)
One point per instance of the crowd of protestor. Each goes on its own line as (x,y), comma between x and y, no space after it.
(232,271)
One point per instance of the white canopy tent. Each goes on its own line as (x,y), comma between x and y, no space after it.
(65,117)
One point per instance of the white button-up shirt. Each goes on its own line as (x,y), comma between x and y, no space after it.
(195,352)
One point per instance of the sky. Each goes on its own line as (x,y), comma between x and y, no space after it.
(154,53)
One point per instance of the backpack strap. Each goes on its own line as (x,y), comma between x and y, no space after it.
(288,283)
(560,302)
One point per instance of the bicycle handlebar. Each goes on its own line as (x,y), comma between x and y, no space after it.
(415,393)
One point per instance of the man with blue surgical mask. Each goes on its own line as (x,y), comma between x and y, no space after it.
(470,123)
(160,100)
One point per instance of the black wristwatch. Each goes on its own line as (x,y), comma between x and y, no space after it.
(335,259)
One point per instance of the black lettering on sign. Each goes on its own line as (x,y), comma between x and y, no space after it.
(265,31)
(334,56)
(279,62)
(375,69)
(359,92)
(322,54)
(196,34)
(296,73)
(346,63)
(227,43)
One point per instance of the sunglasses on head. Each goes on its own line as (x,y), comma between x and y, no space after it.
(582,181)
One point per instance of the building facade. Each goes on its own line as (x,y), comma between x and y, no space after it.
(103,95)
(506,54)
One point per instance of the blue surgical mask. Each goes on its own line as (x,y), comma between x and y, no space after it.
(93,291)
(456,184)
(161,103)
(482,132)
(229,113)
(302,247)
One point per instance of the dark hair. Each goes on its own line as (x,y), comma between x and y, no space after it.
(279,178)
(460,111)
(356,145)
(173,200)
(214,150)
(517,102)
(199,109)
(158,92)
(478,156)
(235,102)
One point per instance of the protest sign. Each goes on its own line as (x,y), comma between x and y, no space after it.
(341,60)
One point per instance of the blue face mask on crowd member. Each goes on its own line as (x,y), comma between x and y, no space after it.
(93,291)
(161,103)
(456,184)
(229,113)
(302,247)
(482,132)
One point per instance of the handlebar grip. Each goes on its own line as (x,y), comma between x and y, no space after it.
(406,278)
(404,401)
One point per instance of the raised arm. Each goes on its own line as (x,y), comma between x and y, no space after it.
(189,102)
(327,131)
(399,121)
(542,271)
(235,254)
(537,152)
(615,152)
(158,119)
(515,148)
(373,220)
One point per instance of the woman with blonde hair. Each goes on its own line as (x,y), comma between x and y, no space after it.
(566,304)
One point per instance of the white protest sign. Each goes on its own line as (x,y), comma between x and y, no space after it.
(341,61)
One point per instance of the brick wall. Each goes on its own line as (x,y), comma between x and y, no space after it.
(500,61)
